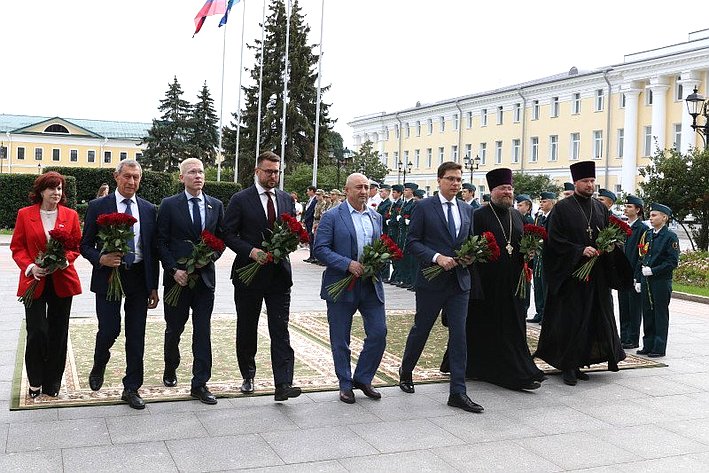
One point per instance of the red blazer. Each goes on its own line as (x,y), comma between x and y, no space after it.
(28,240)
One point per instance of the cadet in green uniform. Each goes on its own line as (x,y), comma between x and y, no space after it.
(486,199)
(467,192)
(546,203)
(524,205)
(607,198)
(568,189)
(660,246)
(393,224)
(629,301)
(383,209)
(406,277)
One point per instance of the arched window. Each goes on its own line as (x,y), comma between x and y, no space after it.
(56,128)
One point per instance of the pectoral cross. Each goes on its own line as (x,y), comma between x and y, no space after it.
(509,248)
(590,233)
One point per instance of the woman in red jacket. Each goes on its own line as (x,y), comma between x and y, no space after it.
(47,318)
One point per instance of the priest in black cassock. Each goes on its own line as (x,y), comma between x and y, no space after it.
(496,327)
(579,326)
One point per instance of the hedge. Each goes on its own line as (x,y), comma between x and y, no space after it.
(16,188)
(221,190)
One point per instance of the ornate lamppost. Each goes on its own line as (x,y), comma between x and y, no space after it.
(405,168)
(697,105)
(472,165)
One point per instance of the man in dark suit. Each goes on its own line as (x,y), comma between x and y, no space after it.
(309,219)
(342,235)
(249,216)
(181,220)
(139,277)
(439,226)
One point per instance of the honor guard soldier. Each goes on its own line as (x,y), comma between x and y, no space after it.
(393,223)
(607,198)
(546,203)
(407,207)
(384,209)
(568,189)
(468,194)
(486,199)
(524,205)
(630,301)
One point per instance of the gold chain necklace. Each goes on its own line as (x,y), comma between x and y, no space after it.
(508,239)
(588,219)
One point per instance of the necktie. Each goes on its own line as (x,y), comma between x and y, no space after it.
(271,210)
(129,258)
(451,222)
(196,216)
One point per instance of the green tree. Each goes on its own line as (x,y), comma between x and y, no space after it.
(302,95)
(204,128)
(168,139)
(302,176)
(368,162)
(681,181)
(533,184)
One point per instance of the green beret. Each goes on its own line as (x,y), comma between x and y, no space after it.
(522,197)
(568,186)
(547,195)
(386,186)
(410,185)
(608,194)
(420,193)
(661,208)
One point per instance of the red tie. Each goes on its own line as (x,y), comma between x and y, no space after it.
(271,210)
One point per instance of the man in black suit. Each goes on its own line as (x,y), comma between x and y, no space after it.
(309,219)
(249,216)
(439,226)
(181,220)
(139,277)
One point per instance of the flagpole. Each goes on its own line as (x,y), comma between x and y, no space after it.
(221,112)
(238,103)
(285,95)
(260,84)
(317,103)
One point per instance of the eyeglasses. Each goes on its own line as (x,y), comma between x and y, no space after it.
(270,172)
(452,179)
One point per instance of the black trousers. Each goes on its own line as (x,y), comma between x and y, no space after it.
(248,308)
(135,306)
(47,322)
(201,300)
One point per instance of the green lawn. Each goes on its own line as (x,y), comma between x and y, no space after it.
(699,291)
(5,231)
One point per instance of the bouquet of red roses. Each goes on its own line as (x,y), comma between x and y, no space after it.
(643,248)
(51,259)
(202,254)
(481,249)
(284,239)
(115,231)
(617,231)
(531,244)
(374,257)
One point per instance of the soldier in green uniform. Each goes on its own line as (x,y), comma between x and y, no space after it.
(524,205)
(546,203)
(407,207)
(607,198)
(393,224)
(486,199)
(629,301)
(383,209)
(568,189)
(659,247)
(467,193)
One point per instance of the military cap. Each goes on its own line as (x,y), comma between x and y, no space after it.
(583,170)
(410,185)
(385,186)
(397,188)
(468,186)
(547,195)
(568,186)
(608,194)
(661,208)
(420,193)
(631,199)
(522,197)
(486,197)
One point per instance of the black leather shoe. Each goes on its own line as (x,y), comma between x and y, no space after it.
(286,391)
(133,399)
(406,383)
(462,401)
(169,378)
(569,377)
(347,396)
(96,377)
(628,346)
(34,394)
(581,375)
(655,355)
(643,352)
(247,387)
(203,394)
(367,389)
(52,389)
(531,386)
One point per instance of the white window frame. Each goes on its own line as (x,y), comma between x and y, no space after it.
(677,129)
(647,141)
(417,158)
(442,123)
(21,153)
(679,90)
(430,126)
(576,103)
(122,155)
(535,109)
(575,146)
(534,149)
(597,144)
(88,156)
(386,133)
(483,153)
(418,127)
(429,157)
(498,152)
(38,154)
(621,103)
(555,107)
(397,131)
(483,117)
(470,120)
(456,121)
(516,150)
(441,154)
(553,148)
(648,97)
(56,155)
(454,153)
(107,154)
(600,100)
(73,155)
(407,127)
(500,115)
(517,117)
(468,151)
(621,141)
(384,160)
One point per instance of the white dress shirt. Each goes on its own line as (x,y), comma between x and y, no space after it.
(201,204)
(456,216)
(264,198)
(121,207)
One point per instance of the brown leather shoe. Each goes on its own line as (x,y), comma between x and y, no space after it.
(347,396)
(367,389)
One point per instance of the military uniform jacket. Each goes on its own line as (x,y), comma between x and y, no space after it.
(662,254)
(631,244)
(383,209)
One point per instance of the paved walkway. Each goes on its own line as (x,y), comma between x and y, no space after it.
(645,420)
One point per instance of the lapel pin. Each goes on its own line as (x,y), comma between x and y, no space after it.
(209,206)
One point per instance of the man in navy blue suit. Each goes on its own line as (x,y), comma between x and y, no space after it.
(342,235)
(181,220)
(139,277)
(249,216)
(439,226)
(309,219)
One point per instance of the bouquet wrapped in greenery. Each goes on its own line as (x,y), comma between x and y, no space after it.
(533,237)
(616,232)
(115,231)
(477,249)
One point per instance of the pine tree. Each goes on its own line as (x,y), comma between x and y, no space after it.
(168,138)
(367,162)
(302,93)
(204,124)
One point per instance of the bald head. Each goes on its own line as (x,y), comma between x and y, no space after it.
(357,190)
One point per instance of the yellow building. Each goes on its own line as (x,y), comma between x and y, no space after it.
(28,143)
(616,115)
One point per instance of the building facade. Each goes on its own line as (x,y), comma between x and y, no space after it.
(617,115)
(29,143)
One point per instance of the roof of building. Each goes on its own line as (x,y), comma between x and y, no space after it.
(103,128)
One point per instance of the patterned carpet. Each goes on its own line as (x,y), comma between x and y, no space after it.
(309,338)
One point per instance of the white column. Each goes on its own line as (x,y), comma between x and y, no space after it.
(630,139)
(689,80)
(659,86)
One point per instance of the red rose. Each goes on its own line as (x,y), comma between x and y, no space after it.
(214,243)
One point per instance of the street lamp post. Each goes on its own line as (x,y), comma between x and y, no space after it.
(472,165)
(697,105)
(346,156)
(405,168)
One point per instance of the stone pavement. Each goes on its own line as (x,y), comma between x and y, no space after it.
(645,420)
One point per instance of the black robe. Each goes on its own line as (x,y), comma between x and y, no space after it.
(579,327)
(496,327)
